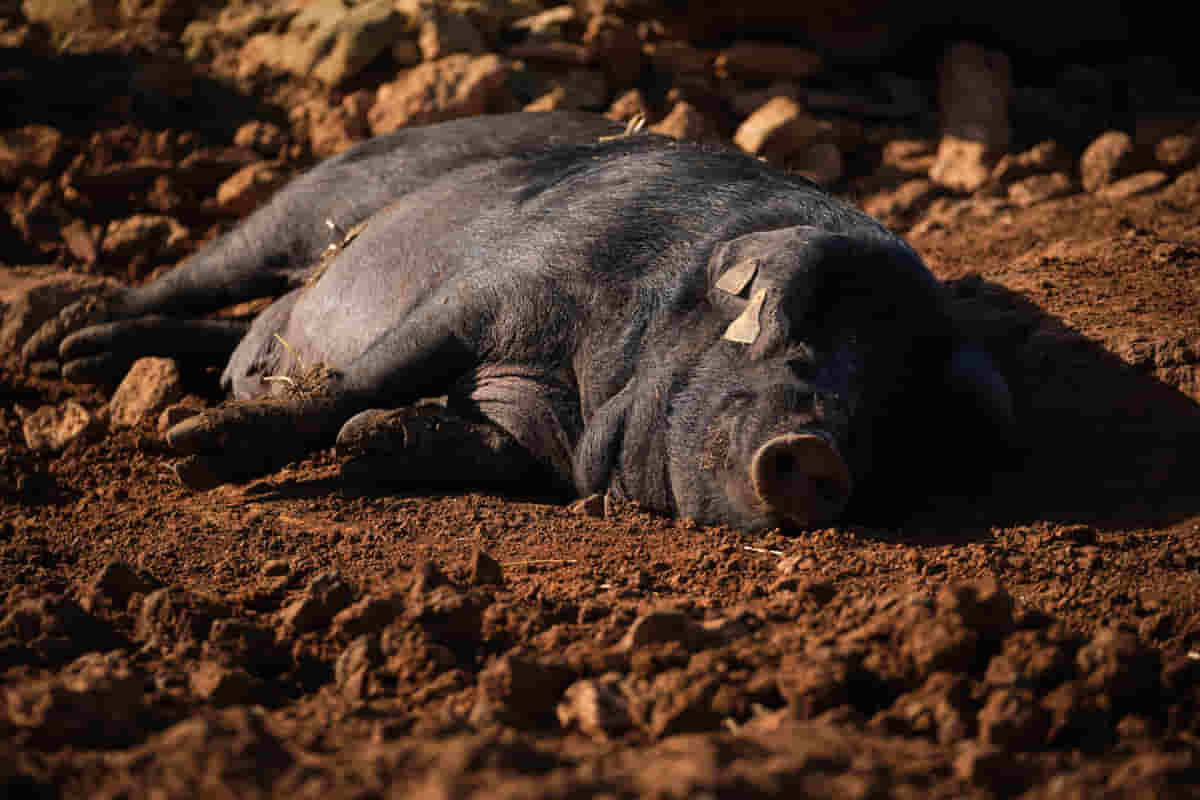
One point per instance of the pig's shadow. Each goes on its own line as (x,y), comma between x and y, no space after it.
(1100,442)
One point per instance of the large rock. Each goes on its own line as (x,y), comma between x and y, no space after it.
(63,16)
(250,187)
(30,150)
(779,128)
(327,41)
(51,428)
(1108,158)
(151,385)
(460,85)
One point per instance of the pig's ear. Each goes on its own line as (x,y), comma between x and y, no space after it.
(972,378)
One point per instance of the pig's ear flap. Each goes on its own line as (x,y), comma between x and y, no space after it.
(973,379)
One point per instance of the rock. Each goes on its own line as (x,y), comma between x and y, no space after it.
(1137,184)
(323,597)
(151,385)
(114,584)
(326,41)
(1174,153)
(366,31)
(765,60)
(1043,158)
(369,614)
(1117,663)
(1039,188)
(661,627)
(222,686)
(143,238)
(1109,157)
(906,202)
(264,137)
(456,86)
(51,630)
(332,129)
(596,707)
(250,187)
(779,128)
(909,156)
(30,150)
(64,16)
(1012,719)
(485,570)
(629,105)
(51,428)
(167,15)
(81,240)
(962,165)
(685,121)
(551,23)
(444,33)
(520,690)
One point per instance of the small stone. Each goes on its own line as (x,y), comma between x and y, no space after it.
(149,236)
(1108,158)
(325,595)
(485,570)
(685,121)
(909,156)
(661,627)
(250,187)
(1038,189)
(150,385)
(596,707)
(368,615)
(678,56)
(1179,152)
(29,150)
(1134,185)
(629,105)
(265,137)
(51,428)
(222,686)
(550,23)
(459,85)
(779,128)
(963,165)
(117,582)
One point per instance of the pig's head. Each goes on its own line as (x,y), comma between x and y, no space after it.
(827,340)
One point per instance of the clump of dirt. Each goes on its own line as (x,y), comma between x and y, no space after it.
(1035,634)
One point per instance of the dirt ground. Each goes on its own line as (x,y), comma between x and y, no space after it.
(1037,636)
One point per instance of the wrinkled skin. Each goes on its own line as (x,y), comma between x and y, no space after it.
(677,325)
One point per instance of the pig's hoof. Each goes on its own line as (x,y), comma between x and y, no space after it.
(243,441)
(44,342)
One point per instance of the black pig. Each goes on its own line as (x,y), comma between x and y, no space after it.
(671,323)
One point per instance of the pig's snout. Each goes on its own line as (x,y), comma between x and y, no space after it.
(801,476)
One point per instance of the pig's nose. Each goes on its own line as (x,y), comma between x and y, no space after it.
(801,476)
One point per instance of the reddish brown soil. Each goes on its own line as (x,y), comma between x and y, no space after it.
(297,637)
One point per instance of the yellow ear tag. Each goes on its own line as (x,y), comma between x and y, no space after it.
(745,328)
(735,279)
